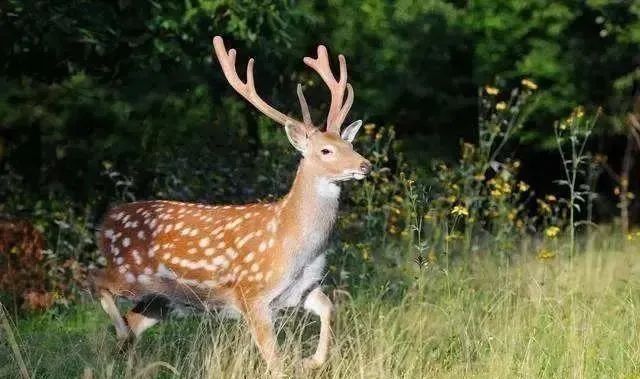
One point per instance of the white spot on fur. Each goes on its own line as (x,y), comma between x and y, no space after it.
(248,258)
(152,251)
(126,242)
(136,257)
(144,279)
(220,261)
(232,254)
(204,242)
(245,239)
(165,272)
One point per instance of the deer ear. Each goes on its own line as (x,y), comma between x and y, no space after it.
(297,136)
(349,133)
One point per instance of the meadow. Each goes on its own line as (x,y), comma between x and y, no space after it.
(487,318)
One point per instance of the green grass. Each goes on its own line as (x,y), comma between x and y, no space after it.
(560,318)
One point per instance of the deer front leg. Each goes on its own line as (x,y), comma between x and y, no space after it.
(260,323)
(319,304)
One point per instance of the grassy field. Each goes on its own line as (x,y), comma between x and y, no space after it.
(556,318)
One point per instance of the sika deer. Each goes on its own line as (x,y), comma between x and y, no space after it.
(252,259)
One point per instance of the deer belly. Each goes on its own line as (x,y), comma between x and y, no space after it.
(299,285)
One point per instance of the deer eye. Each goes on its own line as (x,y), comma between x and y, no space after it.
(325,151)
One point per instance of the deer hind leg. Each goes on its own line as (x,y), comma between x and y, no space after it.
(146,313)
(260,322)
(319,304)
(109,306)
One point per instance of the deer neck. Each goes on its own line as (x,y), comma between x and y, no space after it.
(309,210)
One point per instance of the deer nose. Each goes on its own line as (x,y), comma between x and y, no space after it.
(365,167)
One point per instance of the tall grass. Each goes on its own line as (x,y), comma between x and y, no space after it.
(569,317)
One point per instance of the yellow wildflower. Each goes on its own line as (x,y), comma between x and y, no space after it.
(501,106)
(529,84)
(460,210)
(544,207)
(522,186)
(368,128)
(491,90)
(552,231)
(545,254)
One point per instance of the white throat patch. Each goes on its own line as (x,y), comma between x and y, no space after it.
(327,189)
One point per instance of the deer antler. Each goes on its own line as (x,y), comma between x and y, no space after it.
(337,110)
(248,90)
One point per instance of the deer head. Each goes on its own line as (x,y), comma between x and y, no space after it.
(328,152)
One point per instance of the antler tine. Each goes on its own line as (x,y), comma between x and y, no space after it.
(247,90)
(346,107)
(306,115)
(336,87)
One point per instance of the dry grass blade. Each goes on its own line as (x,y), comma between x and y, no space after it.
(13,343)
(148,368)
